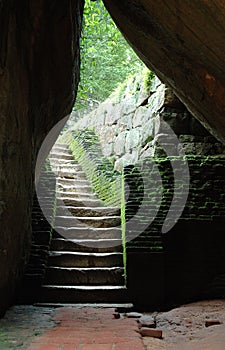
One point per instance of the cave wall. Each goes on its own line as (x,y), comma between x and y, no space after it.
(39,73)
(183,43)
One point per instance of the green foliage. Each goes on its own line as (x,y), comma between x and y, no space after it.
(106,57)
(148,79)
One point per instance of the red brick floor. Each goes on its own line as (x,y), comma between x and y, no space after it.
(89,329)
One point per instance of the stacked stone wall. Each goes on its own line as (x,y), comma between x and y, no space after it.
(170,161)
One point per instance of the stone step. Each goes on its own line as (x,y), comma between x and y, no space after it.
(67,167)
(75,189)
(89,233)
(59,151)
(84,245)
(72,182)
(55,162)
(83,259)
(73,175)
(61,155)
(84,276)
(83,294)
(75,202)
(87,211)
(94,221)
(121,307)
(60,146)
(75,194)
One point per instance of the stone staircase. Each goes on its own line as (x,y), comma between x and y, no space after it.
(85,264)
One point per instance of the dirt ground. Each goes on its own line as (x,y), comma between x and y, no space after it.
(184,327)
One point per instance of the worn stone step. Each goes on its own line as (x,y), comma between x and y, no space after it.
(84,276)
(88,211)
(55,162)
(94,221)
(60,193)
(121,307)
(75,169)
(89,233)
(83,294)
(67,166)
(84,245)
(60,145)
(84,259)
(65,174)
(59,151)
(72,182)
(61,155)
(74,189)
(76,202)
(73,174)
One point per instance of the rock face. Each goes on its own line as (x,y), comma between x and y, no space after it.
(136,125)
(39,72)
(183,42)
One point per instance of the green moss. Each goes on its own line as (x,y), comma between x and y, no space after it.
(99,170)
(148,79)
(123,225)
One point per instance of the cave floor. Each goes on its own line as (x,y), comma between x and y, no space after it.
(87,328)
(68,328)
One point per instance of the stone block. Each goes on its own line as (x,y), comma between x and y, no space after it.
(147,321)
(140,116)
(106,134)
(155,84)
(149,332)
(113,113)
(126,121)
(119,145)
(132,139)
(127,159)
(156,100)
(107,149)
(128,105)
(147,152)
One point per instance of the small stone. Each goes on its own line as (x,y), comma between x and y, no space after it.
(209,323)
(116,315)
(133,315)
(149,332)
(147,321)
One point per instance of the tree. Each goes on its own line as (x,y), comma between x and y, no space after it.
(106,57)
